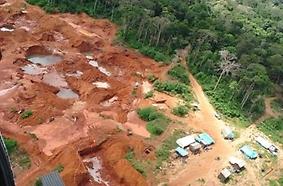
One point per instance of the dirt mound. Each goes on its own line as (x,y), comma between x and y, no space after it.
(2,2)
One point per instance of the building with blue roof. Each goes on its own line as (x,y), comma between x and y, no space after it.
(250,153)
(205,139)
(182,152)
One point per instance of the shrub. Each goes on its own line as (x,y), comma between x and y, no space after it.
(149,114)
(26,114)
(171,87)
(38,182)
(180,110)
(277,105)
(179,73)
(152,78)
(157,126)
(157,122)
(148,94)
(11,145)
(59,168)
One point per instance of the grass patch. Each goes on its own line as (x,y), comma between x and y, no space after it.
(273,127)
(157,121)
(175,88)
(38,182)
(130,156)
(163,152)
(59,168)
(179,73)
(277,105)
(26,114)
(151,78)
(180,110)
(18,156)
(149,94)
(11,145)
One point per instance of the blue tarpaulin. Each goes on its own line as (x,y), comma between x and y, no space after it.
(205,139)
(249,152)
(182,152)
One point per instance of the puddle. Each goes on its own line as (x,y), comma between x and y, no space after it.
(45,60)
(77,74)
(109,102)
(94,170)
(5,29)
(101,69)
(54,79)
(101,84)
(33,69)
(66,93)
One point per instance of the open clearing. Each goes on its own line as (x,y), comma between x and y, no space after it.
(75,107)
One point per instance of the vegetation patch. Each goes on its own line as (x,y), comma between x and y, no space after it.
(149,94)
(59,168)
(26,114)
(179,73)
(157,121)
(175,88)
(136,164)
(277,105)
(181,110)
(163,152)
(273,127)
(18,156)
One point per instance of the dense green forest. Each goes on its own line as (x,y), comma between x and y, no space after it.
(236,45)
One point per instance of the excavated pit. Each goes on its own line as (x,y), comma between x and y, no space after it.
(43,56)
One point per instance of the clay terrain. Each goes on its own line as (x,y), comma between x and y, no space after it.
(83,95)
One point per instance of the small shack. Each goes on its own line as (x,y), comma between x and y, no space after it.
(195,147)
(224,175)
(237,164)
(186,141)
(52,179)
(205,139)
(181,152)
(228,133)
(250,153)
(267,145)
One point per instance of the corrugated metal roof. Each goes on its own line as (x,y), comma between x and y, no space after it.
(182,152)
(205,139)
(52,179)
(186,141)
(226,173)
(249,152)
(233,160)
(263,142)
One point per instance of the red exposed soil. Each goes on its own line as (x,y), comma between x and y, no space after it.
(65,127)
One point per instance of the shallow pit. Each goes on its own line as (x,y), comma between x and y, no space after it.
(7,28)
(44,60)
(33,69)
(99,84)
(94,170)
(55,79)
(67,93)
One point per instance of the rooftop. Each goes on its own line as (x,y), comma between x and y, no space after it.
(52,179)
